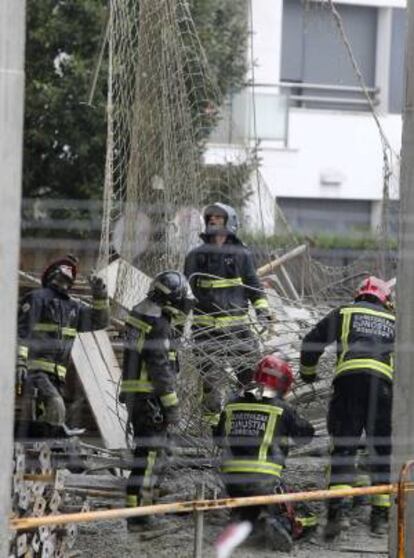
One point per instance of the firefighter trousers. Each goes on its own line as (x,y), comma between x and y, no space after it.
(361,403)
(150,437)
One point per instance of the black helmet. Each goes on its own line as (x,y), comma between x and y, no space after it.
(231,220)
(61,273)
(171,290)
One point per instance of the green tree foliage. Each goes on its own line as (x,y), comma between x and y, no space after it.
(64,144)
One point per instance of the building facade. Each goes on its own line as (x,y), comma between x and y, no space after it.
(320,148)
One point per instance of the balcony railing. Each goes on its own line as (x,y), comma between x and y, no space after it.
(326,96)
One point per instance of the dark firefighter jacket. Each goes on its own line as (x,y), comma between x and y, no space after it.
(48,322)
(254,435)
(364,333)
(149,365)
(230,282)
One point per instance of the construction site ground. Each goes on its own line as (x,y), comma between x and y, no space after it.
(175,534)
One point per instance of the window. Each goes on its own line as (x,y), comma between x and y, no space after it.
(399,32)
(313,52)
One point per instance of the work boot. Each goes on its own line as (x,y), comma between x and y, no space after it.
(275,532)
(379,520)
(337,521)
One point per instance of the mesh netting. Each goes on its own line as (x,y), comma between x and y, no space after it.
(162,107)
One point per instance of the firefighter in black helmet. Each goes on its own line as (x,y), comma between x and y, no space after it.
(48,321)
(254,430)
(149,377)
(224,281)
(361,402)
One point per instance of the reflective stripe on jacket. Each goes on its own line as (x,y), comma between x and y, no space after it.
(149,364)
(365,335)
(254,435)
(48,322)
(224,281)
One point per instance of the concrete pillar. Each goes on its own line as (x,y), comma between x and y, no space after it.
(383,56)
(12,34)
(265,22)
(403,407)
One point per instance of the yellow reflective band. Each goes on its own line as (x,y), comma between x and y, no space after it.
(256,407)
(381,500)
(261,303)
(367,363)
(172,355)
(368,311)
(251,466)
(100,304)
(137,386)
(219,283)
(269,433)
(132,501)
(308,521)
(49,328)
(339,486)
(345,335)
(69,331)
(147,480)
(307,370)
(23,351)
(138,324)
(48,366)
(362,480)
(169,399)
(220,321)
(211,418)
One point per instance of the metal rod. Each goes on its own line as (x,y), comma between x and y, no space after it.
(333,100)
(402,484)
(23,523)
(271,266)
(199,523)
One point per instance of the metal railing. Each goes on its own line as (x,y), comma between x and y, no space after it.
(326,96)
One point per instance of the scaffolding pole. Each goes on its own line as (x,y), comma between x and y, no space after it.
(12,35)
(403,408)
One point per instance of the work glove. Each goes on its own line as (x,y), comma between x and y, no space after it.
(98,287)
(122,397)
(21,376)
(172,415)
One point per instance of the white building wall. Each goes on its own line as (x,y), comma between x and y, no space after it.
(330,155)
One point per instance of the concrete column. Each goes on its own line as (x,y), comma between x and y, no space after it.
(383,57)
(265,21)
(403,407)
(12,35)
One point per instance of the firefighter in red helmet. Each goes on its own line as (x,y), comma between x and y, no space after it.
(254,431)
(48,321)
(362,394)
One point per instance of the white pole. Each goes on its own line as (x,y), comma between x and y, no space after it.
(12,39)
(403,407)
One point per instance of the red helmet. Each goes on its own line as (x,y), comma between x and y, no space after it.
(274,374)
(374,287)
(68,265)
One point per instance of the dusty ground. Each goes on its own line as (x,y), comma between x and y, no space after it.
(174,535)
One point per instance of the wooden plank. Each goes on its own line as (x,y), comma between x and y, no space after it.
(108,355)
(100,390)
(127,285)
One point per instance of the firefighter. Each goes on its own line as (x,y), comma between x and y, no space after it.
(224,281)
(48,321)
(149,381)
(254,432)
(362,394)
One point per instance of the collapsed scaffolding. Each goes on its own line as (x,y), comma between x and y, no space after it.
(163,106)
